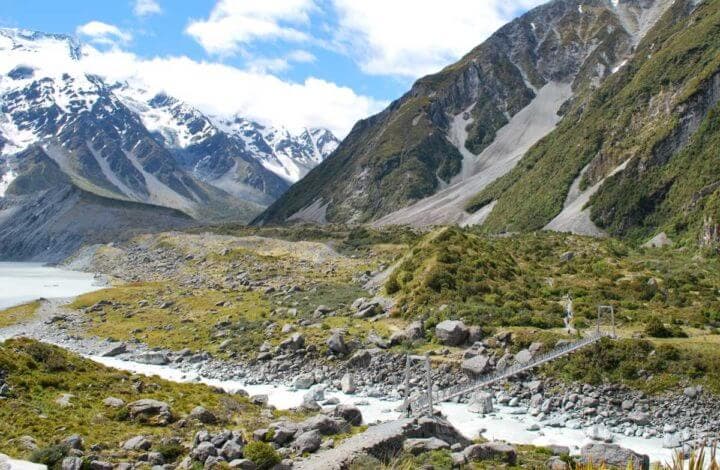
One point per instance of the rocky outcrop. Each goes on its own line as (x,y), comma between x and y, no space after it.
(613,455)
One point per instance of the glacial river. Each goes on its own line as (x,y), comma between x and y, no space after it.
(24,282)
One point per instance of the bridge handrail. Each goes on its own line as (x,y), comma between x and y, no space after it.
(418,403)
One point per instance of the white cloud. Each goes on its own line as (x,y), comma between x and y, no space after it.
(146,8)
(280,64)
(103,33)
(233,23)
(416,37)
(218,89)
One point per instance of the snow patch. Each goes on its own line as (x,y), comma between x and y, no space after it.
(5,180)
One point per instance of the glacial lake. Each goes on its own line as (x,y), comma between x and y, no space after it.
(25,282)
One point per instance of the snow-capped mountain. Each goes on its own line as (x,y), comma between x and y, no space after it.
(61,127)
(48,101)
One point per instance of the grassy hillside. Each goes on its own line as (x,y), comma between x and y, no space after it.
(644,113)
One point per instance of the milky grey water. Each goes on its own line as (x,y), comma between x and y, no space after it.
(24,282)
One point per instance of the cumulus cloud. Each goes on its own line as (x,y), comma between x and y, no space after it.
(415,37)
(102,33)
(218,89)
(233,23)
(146,8)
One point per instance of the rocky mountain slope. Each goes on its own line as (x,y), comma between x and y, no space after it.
(65,132)
(552,122)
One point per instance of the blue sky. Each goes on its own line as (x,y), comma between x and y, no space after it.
(284,62)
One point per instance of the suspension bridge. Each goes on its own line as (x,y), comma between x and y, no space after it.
(423,403)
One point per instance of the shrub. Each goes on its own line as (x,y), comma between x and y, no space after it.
(656,329)
(50,456)
(170,450)
(262,454)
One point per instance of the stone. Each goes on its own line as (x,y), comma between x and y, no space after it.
(203,415)
(397,338)
(308,441)
(243,464)
(692,392)
(491,451)
(360,359)
(261,400)
(115,350)
(639,417)
(74,442)
(203,451)
(599,432)
(152,411)
(417,446)
(451,332)
(154,358)
(71,463)
(415,331)
(284,432)
(660,240)
(100,465)
(336,344)
(476,366)
(567,256)
(523,357)
(293,343)
(556,463)
(349,413)
(481,402)
(347,384)
(309,404)
(323,424)
(64,400)
(231,450)
(137,443)
(671,441)
(613,455)
(27,443)
(113,402)
(304,381)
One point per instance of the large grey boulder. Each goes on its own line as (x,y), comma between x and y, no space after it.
(205,416)
(476,366)
(523,357)
(153,358)
(347,384)
(68,463)
(137,443)
(491,451)
(415,330)
(639,417)
(349,413)
(203,451)
(419,446)
(115,350)
(613,455)
(304,381)
(660,240)
(293,343)
(308,441)
(336,344)
(153,411)
(451,332)
(481,402)
(231,450)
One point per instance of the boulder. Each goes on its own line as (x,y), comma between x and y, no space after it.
(336,344)
(308,441)
(113,402)
(293,343)
(64,400)
(347,384)
(323,424)
(203,451)
(613,455)
(152,411)
(304,381)
(476,366)
(491,451)
(451,332)
(154,358)
(137,443)
(397,338)
(74,441)
(309,404)
(68,463)
(360,359)
(349,413)
(660,240)
(260,400)
(414,331)
(115,350)
(243,464)
(523,357)
(231,450)
(203,415)
(481,402)
(639,417)
(419,446)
